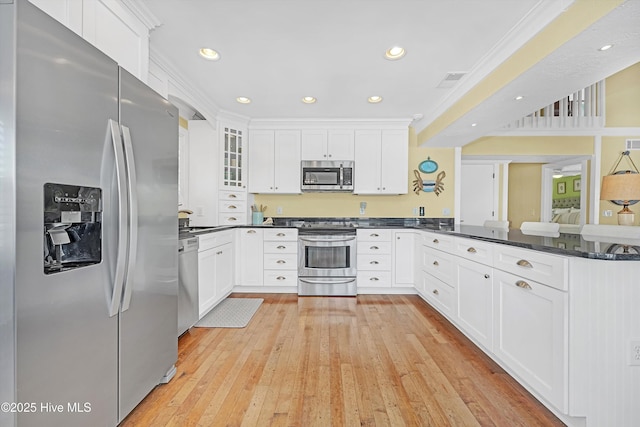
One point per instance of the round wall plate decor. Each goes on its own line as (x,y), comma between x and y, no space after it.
(428,166)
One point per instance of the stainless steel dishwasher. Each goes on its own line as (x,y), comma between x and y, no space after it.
(187,283)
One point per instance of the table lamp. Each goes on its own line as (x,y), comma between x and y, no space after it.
(622,188)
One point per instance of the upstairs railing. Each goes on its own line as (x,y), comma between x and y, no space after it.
(582,109)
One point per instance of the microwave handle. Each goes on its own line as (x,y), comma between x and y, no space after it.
(341,175)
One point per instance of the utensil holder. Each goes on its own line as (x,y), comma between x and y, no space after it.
(257,218)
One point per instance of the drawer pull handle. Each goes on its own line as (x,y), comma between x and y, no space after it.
(281,247)
(375,248)
(374,279)
(219,253)
(524,263)
(281,261)
(436,263)
(232,207)
(436,241)
(472,250)
(251,232)
(435,292)
(375,235)
(486,276)
(232,196)
(374,262)
(280,234)
(522,284)
(233,218)
(281,278)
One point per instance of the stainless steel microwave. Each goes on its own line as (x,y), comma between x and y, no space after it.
(323,175)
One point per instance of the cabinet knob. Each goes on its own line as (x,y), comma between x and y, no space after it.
(486,276)
(435,292)
(524,263)
(436,241)
(472,250)
(436,263)
(522,284)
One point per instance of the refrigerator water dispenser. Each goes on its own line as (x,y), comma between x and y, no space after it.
(72,227)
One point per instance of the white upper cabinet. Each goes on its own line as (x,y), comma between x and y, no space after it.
(232,145)
(381,161)
(328,144)
(107,25)
(274,161)
(202,173)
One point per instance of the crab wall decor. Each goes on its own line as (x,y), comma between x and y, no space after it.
(429,186)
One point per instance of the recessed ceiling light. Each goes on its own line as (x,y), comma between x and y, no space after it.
(395,52)
(209,54)
(309,100)
(374,99)
(243,100)
(605,47)
(519,97)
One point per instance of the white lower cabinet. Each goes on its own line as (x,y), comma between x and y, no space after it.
(215,269)
(437,293)
(474,300)
(403,259)
(280,248)
(250,256)
(530,328)
(374,259)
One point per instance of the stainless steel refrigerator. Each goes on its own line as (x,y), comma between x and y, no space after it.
(89,262)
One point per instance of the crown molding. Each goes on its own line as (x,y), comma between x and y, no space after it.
(142,12)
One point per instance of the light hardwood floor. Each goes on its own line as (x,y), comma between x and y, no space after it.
(374,360)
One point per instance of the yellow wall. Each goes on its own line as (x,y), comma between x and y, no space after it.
(530,146)
(524,193)
(396,206)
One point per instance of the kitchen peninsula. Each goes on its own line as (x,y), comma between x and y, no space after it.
(555,312)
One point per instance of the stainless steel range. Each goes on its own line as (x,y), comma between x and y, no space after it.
(327,260)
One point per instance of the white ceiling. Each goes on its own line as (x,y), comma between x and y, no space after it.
(277,51)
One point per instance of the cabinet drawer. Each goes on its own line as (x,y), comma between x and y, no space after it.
(374,248)
(545,268)
(211,240)
(284,247)
(374,279)
(374,262)
(279,234)
(232,195)
(374,235)
(438,263)
(281,278)
(475,250)
(442,242)
(438,294)
(230,206)
(238,218)
(280,262)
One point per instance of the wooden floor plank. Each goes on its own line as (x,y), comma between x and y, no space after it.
(374,360)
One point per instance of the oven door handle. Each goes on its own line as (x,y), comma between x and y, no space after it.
(321,282)
(347,239)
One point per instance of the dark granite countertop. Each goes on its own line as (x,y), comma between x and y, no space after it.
(561,244)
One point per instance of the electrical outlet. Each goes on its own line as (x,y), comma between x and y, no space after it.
(608,212)
(415,211)
(446,211)
(279,210)
(634,353)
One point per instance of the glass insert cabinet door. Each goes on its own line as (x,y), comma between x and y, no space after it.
(233,158)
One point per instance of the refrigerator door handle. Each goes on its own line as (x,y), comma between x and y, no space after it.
(133,216)
(116,293)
